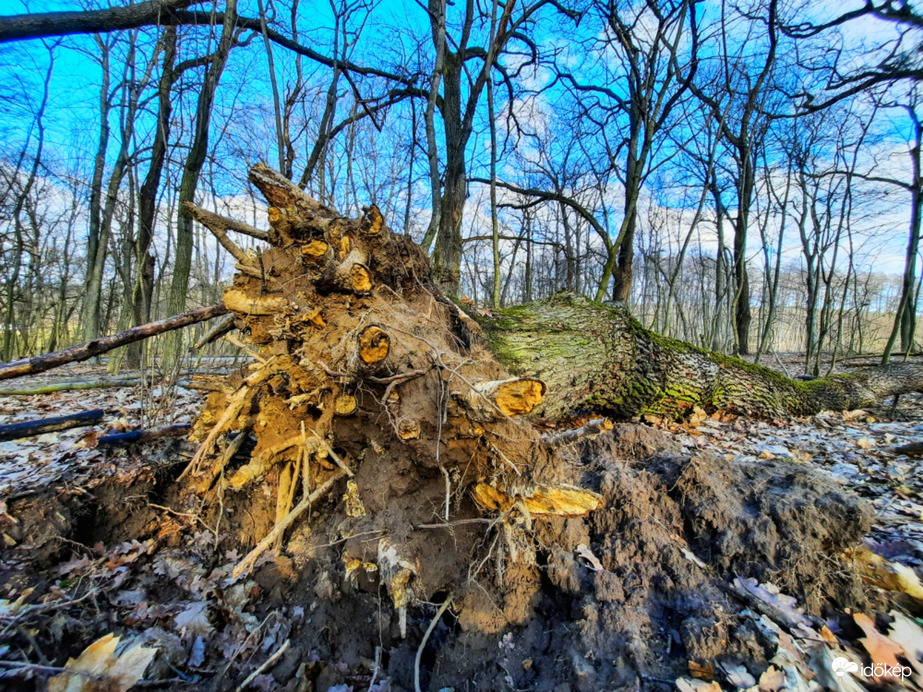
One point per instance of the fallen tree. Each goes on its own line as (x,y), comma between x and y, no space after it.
(393,414)
(601,358)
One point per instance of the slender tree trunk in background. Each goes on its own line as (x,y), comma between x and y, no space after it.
(94,292)
(94,247)
(437,11)
(143,289)
(742,317)
(19,207)
(494,221)
(720,287)
(624,246)
(179,285)
(773,281)
(448,249)
(905,319)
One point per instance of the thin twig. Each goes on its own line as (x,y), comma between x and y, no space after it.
(429,631)
(452,524)
(266,665)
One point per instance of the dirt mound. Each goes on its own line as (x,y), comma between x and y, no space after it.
(632,592)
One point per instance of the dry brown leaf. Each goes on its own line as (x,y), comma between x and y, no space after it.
(884,651)
(702,671)
(98,667)
(772,680)
(828,636)
(587,554)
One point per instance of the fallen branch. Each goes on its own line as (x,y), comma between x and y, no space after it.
(911,449)
(35,364)
(125,438)
(30,428)
(223,326)
(70,386)
(270,538)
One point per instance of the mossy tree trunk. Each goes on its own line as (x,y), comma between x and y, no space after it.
(599,358)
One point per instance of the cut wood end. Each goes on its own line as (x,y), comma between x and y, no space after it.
(361,279)
(559,501)
(345,246)
(373,221)
(345,405)
(315,249)
(519,396)
(374,345)
(408,430)
(238,301)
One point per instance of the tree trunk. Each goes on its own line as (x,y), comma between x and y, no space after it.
(559,340)
(143,290)
(179,285)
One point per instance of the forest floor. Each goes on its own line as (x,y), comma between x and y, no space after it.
(726,558)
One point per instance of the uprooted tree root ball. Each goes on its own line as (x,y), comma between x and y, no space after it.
(379,460)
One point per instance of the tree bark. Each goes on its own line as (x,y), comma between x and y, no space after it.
(43,24)
(600,358)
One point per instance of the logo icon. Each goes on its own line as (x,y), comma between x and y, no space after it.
(841,666)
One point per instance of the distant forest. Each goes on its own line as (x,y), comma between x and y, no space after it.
(745,176)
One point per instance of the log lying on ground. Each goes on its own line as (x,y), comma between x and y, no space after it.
(39,426)
(600,358)
(36,364)
(132,436)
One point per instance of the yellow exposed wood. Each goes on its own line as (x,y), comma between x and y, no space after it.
(519,396)
(408,430)
(565,501)
(373,221)
(240,302)
(361,279)
(374,345)
(315,249)
(345,405)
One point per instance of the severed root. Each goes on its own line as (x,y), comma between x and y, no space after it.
(239,302)
(345,405)
(222,327)
(218,465)
(247,563)
(513,397)
(219,226)
(236,404)
(564,501)
(374,345)
(285,496)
